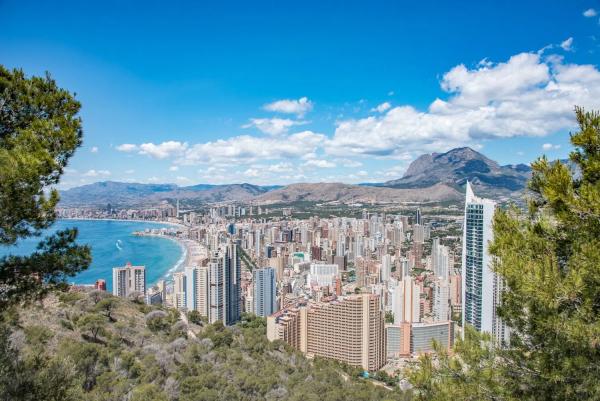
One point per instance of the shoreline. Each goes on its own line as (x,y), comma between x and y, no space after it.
(184,244)
(124,220)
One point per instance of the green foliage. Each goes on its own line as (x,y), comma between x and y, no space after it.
(107,306)
(195,317)
(135,363)
(39,132)
(549,259)
(92,323)
(389,317)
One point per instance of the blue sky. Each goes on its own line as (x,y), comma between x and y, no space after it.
(282,92)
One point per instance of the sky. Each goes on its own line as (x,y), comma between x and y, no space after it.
(276,92)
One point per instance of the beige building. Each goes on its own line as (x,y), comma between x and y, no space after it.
(129,280)
(350,330)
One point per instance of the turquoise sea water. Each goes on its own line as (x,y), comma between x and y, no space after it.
(113,245)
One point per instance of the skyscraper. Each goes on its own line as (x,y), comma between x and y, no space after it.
(196,289)
(224,285)
(128,280)
(406,301)
(480,286)
(265,291)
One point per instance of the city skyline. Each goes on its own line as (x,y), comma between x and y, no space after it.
(255,97)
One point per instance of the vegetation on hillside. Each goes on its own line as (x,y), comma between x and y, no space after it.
(549,259)
(93,346)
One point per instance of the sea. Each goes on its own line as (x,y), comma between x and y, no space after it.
(112,245)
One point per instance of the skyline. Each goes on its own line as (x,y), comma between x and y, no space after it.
(186,95)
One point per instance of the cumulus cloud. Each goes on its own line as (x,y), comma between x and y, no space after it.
(290,106)
(250,149)
(94,149)
(567,44)
(163,150)
(127,147)
(273,126)
(382,107)
(528,95)
(96,173)
(173,168)
(319,163)
(590,12)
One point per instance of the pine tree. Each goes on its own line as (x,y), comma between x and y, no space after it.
(549,258)
(39,132)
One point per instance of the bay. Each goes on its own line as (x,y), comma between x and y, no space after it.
(114,245)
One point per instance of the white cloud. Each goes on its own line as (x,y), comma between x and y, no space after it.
(283,167)
(173,168)
(183,180)
(362,173)
(528,95)
(549,146)
(590,12)
(127,147)
(319,163)
(251,172)
(153,179)
(273,126)
(290,106)
(130,171)
(567,44)
(163,150)
(382,107)
(249,149)
(349,163)
(96,173)
(94,149)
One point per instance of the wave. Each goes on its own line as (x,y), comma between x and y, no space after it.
(118,244)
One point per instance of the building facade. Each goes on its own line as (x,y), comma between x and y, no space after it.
(128,280)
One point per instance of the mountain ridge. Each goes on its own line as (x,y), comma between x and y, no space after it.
(430,177)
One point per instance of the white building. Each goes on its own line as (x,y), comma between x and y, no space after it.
(128,280)
(406,301)
(480,286)
(322,274)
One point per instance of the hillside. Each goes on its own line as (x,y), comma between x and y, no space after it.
(327,192)
(132,194)
(92,346)
(455,167)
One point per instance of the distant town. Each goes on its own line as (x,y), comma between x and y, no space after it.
(373,290)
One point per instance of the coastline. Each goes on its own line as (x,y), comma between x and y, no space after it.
(125,220)
(184,244)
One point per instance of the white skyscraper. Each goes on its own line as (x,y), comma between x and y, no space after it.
(128,280)
(480,286)
(196,289)
(441,301)
(386,267)
(440,259)
(406,301)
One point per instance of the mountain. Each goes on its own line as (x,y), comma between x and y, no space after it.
(327,192)
(133,194)
(456,166)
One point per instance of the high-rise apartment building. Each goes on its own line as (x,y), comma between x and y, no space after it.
(480,286)
(224,285)
(196,289)
(128,280)
(265,291)
(350,330)
(406,298)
